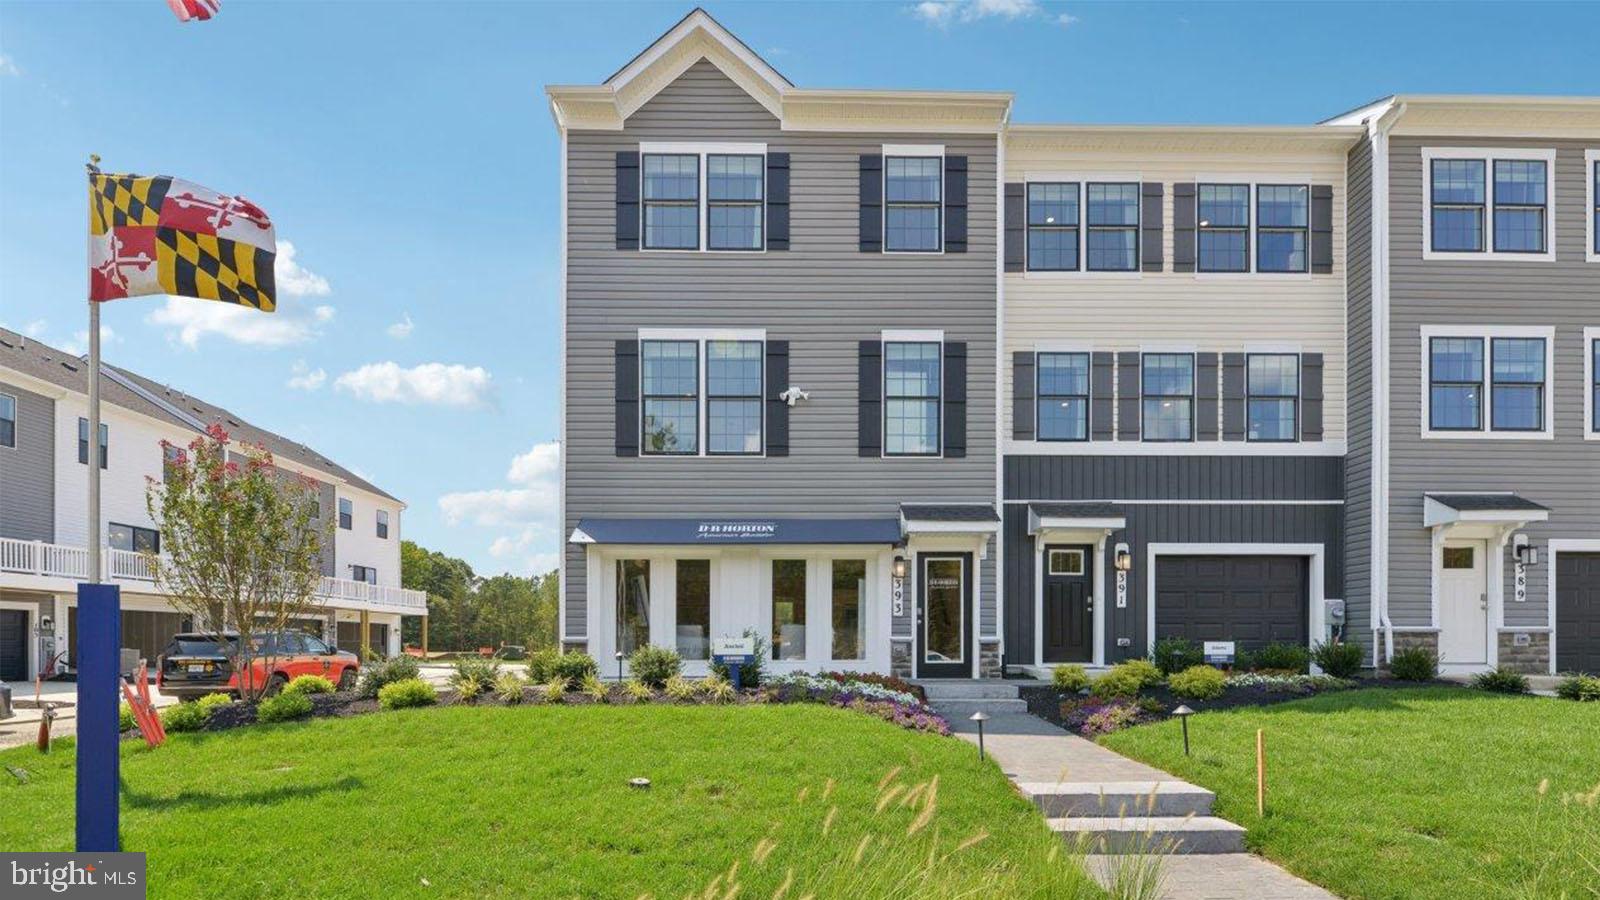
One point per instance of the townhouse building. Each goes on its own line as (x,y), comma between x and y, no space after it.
(44,453)
(901,385)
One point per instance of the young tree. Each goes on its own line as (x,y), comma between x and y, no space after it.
(241,547)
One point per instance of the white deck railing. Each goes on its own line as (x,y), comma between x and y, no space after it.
(59,561)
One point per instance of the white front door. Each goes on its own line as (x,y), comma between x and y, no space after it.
(1464,604)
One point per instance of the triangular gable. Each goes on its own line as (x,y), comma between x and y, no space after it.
(696,37)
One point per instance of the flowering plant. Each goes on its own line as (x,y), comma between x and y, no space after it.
(1292,684)
(1094,718)
(897,707)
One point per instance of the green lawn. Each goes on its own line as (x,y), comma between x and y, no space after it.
(534,801)
(1428,792)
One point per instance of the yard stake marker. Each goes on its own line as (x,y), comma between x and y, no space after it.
(1261,772)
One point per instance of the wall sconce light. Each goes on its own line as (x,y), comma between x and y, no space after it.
(1124,558)
(1525,552)
(899,567)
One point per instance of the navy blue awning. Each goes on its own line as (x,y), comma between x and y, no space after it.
(737,531)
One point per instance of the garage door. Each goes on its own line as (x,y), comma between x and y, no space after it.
(13,645)
(146,631)
(1251,600)
(1578,612)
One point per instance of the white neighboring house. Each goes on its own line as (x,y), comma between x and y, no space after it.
(44,452)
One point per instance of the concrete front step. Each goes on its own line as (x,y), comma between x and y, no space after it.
(968,690)
(1150,834)
(961,709)
(1107,799)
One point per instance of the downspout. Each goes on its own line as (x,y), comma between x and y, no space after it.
(999,385)
(1379,129)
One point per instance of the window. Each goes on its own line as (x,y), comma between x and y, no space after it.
(132,537)
(83,442)
(1052,227)
(1455,384)
(1224,227)
(733,397)
(1457,557)
(8,420)
(1490,382)
(911,392)
(1066,562)
(347,513)
(735,189)
(912,196)
(1168,385)
(383,523)
(1272,392)
(671,395)
(788,609)
(848,609)
(671,201)
(364,573)
(694,608)
(1063,397)
(1517,396)
(1485,203)
(1113,236)
(633,604)
(1283,227)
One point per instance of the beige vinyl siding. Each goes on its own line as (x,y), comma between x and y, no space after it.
(1214,313)
(1358,457)
(823,296)
(1562,473)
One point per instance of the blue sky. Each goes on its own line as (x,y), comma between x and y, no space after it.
(406,152)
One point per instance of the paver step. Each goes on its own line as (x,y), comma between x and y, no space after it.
(962,708)
(1151,834)
(968,690)
(1105,799)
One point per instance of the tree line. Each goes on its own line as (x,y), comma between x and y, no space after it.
(467,611)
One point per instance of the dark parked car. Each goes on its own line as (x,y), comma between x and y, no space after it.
(196,664)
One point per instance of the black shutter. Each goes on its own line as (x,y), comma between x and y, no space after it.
(628,398)
(1183,218)
(1321,229)
(627,200)
(869,399)
(1128,395)
(955,399)
(777,202)
(1311,396)
(1101,396)
(1151,224)
(1016,225)
(1022,395)
(1233,400)
(955,204)
(1205,396)
(871,203)
(777,407)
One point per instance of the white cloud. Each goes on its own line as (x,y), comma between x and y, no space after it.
(294,279)
(525,515)
(944,13)
(79,345)
(8,66)
(188,320)
(36,328)
(542,463)
(401,329)
(434,384)
(305,378)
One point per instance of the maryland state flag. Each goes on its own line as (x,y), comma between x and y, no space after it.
(161,235)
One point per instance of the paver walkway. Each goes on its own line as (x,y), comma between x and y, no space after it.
(1059,769)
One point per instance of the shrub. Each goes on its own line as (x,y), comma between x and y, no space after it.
(1092,719)
(508,687)
(716,689)
(380,672)
(637,691)
(654,665)
(191,715)
(574,667)
(1069,679)
(1118,682)
(287,705)
(892,682)
(753,673)
(593,688)
(542,665)
(1199,683)
(1281,657)
(556,688)
(1143,669)
(309,684)
(467,691)
(406,692)
(1414,664)
(1501,681)
(1338,659)
(125,718)
(1176,654)
(1582,688)
(680,688)
(474,675)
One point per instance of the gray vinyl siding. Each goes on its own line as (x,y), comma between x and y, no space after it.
(1175,479)
(1358,396)
(27,471)
(823,296)
(1563,473)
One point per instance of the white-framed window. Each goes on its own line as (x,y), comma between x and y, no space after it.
(8,420)
(913,198)
(1063,396)
(1167,403)
(383,523)
(702,393)
(1591,383)
(1249,226)
(1591,168)
(1487,382)
(913,394)
(1488,203)
(1272,397)
(132,537)
(1066,562)
(366,574)
(703,197)
(847,608)
(789,601)
(1098,234)
(692,599)
(1283,228)
(347,513)
(83,443)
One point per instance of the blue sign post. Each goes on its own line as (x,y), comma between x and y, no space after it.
(99,637)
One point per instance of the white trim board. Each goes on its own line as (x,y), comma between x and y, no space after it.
(1487,334)
(1489,155)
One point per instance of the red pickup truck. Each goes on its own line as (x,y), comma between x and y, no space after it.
(196,664)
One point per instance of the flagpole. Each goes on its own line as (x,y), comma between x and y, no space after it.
(95,569)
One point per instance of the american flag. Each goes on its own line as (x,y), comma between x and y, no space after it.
(194,9)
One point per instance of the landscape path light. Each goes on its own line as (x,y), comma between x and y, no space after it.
(619,665)
(1183,713)
(980,717)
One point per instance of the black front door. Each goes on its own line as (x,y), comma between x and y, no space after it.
(1068,604)
(13,645)
(944,615)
